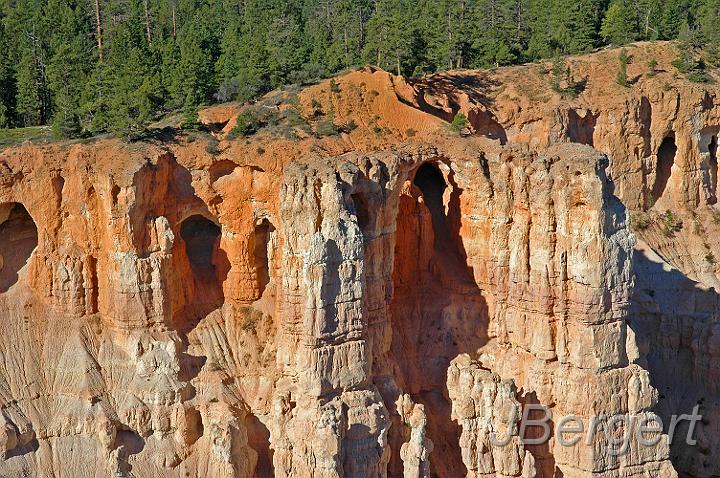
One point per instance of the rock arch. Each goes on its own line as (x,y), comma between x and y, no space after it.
(18,240)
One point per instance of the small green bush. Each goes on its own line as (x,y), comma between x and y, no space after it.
(710,257)
(327,128)
(460,122)
(622,78)
(410,132)
(248,123)
(652,66)
(698,76)
(639,221)
(213,145)
(252,120)
(317,109)
(561,79)
(334,87)
(671,223)
(349,126)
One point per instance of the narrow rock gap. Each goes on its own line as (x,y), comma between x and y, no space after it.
(432,185)
(665,160)
(18,239)
(713,163)
(261,251)
(361,210)
(259,440)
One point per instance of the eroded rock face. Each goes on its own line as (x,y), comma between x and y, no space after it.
(368,305)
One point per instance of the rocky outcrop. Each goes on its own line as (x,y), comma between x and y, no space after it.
(388,301)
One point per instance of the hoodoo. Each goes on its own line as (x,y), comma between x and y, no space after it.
(374,276)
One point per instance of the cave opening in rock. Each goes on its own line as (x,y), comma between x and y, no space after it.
(362,211)
(581,126)
(262,240)
(208,264)
(259,440)
(18,239)
(437,311)
(201,237)
(713,169)
(431,183)
(665,160)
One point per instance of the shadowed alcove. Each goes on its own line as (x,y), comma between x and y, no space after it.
(201,237)
(18,239)
(432,184)
(713,169)
(665,160)
(263,233)
(437,310)
(209,266)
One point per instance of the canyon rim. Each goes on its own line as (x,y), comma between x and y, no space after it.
(371,301)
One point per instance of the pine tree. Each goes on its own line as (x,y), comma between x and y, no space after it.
(494,44)
(447,26)
(674,15)
(7,82)
(649,14)
(709,16)
(286,52)
(69,66)
(29,85)
(334,31)
(66,80)
(582,18)
(563,27)
(619,25)
(135,96)
(540,44)
(26,26)
(95,100)
(391,33)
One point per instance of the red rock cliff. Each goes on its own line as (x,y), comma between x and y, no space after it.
(370,303)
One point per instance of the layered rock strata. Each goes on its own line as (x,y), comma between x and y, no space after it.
(371,304)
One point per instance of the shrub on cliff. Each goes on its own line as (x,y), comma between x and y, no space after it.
(622,78)
(639,221)
(652,66)
(561,80)
(686,62)
(249,122)
(460,123)
(327,127)
(671,223)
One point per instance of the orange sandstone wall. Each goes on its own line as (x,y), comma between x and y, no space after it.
(371,303)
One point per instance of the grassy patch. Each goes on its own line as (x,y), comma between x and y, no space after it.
(10,137)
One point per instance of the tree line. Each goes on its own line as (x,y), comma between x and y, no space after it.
(94,66)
